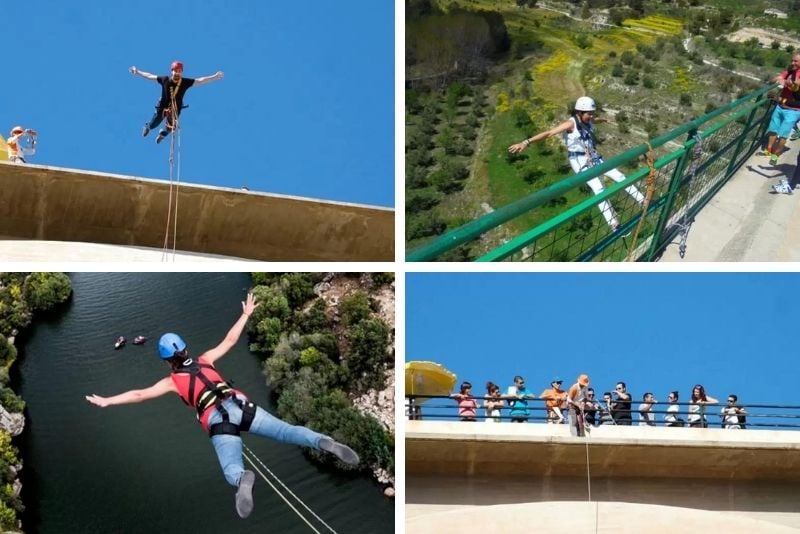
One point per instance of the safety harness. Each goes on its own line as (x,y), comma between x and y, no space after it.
(211,394)
(586,135)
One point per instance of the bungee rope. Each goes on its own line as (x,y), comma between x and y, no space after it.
(648,196)
(247,453)
(174,141)
(686,224)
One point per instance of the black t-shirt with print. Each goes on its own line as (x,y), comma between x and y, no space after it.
(167,86)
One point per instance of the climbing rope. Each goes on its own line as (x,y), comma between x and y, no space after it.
(247,455)
(648,196)
(586,434)
(686,224)
(174,178)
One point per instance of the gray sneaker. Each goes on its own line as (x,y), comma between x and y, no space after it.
(244,495)
(145,130)
(340,450)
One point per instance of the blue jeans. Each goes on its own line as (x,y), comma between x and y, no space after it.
(229,448)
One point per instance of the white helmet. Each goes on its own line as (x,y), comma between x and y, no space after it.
(585,103)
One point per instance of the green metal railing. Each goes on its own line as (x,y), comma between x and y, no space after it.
(685,180)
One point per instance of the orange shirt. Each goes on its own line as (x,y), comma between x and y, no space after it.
(553,397)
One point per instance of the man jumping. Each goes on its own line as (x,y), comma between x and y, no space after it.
(172,89)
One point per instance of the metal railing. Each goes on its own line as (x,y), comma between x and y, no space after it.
(685,180)
(764,416)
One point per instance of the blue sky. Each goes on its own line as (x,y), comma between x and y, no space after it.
(306,107)
(731,332)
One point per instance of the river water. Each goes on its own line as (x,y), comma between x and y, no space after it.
(150,467)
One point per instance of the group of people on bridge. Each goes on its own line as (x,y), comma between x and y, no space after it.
(579,406)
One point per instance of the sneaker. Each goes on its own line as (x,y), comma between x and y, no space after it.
(773,159)
(763,152)
(340,450)
(161,136)
(795,135)
(783,188)
(244,495)
(145,130)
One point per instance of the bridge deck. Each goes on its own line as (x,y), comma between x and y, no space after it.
(746,220)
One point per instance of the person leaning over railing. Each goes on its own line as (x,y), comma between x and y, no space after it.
(576,397)
(621,406)
(493,403)
(672,418)
(578,135)
(697,407)
(733,416)
(787,110)
(646,415)
(605,410)
(467,405)
(591,408)
(555,401)
(517,400)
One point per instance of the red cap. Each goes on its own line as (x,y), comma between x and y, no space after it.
(176,65)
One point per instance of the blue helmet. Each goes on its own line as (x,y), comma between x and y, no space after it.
(169,344)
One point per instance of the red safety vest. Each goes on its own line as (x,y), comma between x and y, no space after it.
(201,387)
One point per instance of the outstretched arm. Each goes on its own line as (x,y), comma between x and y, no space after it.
(519,147)
(207,79)
(142,74)
(235,332)
(162,387)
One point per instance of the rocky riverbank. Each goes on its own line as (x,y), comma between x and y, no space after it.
(378,404)
(21,296)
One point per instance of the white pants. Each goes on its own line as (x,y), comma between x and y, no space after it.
(579,163)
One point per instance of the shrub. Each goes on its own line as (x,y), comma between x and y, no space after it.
(422,201)
(297,287)
(10,401)
(44,290)
(355,308)
(369,343)
(381,279)
(424,225)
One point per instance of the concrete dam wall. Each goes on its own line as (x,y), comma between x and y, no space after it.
(54,204)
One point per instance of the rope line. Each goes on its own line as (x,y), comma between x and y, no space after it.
(176,135)
(586,434)
(174,177)
(686,224)
(169,207)
(279,481)
(280,495)
(648,196)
